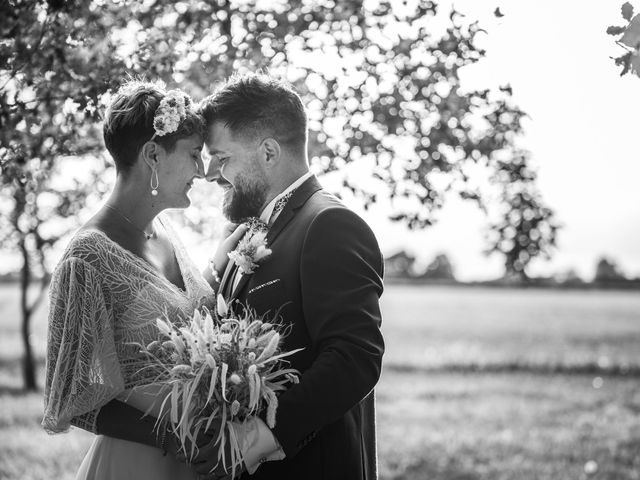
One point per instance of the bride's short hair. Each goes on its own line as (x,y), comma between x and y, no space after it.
(128,122)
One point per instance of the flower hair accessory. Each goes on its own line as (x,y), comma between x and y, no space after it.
(171,111)
(252,248)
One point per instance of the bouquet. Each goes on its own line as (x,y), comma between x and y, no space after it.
(218,367)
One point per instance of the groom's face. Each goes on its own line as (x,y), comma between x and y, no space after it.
(235,167)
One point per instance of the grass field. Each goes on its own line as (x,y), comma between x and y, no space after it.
(477,384)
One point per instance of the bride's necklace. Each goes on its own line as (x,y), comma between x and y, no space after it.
(147,236)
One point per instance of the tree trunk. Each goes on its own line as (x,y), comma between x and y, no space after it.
(28,362)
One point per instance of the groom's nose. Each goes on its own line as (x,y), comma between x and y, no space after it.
(213,170)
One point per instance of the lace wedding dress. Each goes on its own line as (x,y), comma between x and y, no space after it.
(102,299)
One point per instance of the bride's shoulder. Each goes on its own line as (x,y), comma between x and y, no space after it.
(89,244)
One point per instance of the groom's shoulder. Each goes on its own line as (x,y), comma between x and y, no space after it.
(327,211)
(322,199)
(326,205)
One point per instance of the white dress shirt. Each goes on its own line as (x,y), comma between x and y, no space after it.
(257,442)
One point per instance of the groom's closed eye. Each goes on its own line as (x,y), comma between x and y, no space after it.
(222,161)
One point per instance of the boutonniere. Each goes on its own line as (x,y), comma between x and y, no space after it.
(252,249)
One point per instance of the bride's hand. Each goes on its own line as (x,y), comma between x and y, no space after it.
(232,235)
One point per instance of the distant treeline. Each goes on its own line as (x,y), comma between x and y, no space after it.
(10,277)
(401,268)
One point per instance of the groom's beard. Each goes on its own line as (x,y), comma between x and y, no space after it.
(244,200)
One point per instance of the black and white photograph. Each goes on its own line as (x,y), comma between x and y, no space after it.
(319,240)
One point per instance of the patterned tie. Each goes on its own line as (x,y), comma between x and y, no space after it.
(279,206)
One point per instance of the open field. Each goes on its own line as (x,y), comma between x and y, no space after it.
(478,384)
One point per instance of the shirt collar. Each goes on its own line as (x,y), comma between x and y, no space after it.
(268,210)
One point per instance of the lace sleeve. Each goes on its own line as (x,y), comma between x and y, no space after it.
(82,372)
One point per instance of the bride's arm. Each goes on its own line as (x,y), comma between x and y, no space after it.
(122,420)
(133,416)
(125,422)
(214,271)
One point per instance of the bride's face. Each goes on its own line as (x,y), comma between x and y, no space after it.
(177,170)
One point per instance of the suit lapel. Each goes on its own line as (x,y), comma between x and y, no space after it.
(297,200)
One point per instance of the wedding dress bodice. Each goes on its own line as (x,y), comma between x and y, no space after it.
(103,301)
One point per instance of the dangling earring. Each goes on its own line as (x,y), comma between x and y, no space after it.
(154,189)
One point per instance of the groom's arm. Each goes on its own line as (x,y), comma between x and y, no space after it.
(341,280)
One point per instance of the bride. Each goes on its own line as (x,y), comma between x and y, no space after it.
(121,271)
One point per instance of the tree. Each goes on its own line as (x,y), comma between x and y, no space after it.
(440,269)
(629,40)
(400,265)
(525,228)
(50,86)
(608,271)
(569,277)
(382,87)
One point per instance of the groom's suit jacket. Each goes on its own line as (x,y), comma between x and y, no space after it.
(325,277)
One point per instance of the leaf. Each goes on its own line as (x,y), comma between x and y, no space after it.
(174,404)
(194,445)
(163,411)
(164,327)
(631,37)
(616,30)
(625,61)
(270,349)
(223,440)
(212,385)
(221,306)
(272,407)
(627,11)
(223,379)
(635,63)
(498,13)
(252,391)
(235,451)
(508,89)
(208,328)
(281,355)
(190,389)
(223,420)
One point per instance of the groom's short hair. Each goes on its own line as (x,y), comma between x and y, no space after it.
(253,104)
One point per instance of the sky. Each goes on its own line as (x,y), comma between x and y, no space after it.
(581,131)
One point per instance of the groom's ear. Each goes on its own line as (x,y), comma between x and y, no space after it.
(270,150)
(150,152)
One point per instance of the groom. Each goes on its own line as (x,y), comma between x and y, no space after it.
(324,278)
